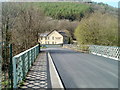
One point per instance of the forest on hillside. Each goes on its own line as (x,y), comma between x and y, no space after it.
(74,10)
(62,10)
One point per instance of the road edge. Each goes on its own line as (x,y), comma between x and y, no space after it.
(55,79)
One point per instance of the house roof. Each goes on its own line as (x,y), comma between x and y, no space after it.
(47,33)
(43,34)
(62,33)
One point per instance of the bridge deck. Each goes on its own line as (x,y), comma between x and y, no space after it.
(38,76)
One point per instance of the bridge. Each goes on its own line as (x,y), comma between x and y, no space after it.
(65,68)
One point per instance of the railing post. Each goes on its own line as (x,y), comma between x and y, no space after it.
(39,47)
(23,65)
(14,73)
(35,52)
(29,59)
(28,54)
(32,55)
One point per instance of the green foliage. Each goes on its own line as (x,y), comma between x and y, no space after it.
(84,48)
(64,10)
(98,29)
(43,47)
(5,82)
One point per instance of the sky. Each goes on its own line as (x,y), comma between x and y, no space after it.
(113,3)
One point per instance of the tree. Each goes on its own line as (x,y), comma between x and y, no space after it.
(98,29)
(28,25)
(68,25)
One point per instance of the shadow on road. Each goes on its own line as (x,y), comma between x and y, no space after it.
(60,51)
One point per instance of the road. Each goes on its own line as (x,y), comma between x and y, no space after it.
(80,70)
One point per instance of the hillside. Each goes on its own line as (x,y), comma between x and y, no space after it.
(65,10)
(104,8)
(74,10)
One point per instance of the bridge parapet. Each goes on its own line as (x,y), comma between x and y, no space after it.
(105,51)
(22,63)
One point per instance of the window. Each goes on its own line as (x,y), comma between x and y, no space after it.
(52,38)
(45,38)
(58,37)
(48,42)
(48,38)
(52,42)
(41,38)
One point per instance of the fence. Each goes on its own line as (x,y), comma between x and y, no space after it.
(105,51)
(22,63)
(51,45)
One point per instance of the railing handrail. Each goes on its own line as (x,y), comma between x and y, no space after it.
(93,45)
(18,55)
(105,46)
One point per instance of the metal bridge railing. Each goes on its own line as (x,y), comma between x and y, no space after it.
(22,63)
(105,51)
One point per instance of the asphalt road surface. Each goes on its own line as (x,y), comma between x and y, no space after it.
(80,70)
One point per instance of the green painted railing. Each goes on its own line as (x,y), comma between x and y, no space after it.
(105,51)
(22,63)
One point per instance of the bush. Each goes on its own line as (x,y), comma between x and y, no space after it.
(98,29)
(84,48)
